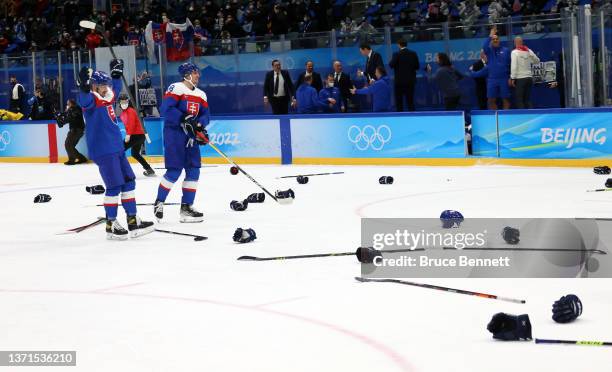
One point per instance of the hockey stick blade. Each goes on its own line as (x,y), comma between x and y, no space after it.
(79,229)
(599,190)
(441,288)
(197,238)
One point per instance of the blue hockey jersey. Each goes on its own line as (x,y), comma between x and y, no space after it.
(102,131)
(180,101)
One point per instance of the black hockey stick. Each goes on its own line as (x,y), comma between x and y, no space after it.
(94,26)
(197,238)
(573,342)
(599,190)
(75,230)
(597,251)
(242,171)
(441,288)
(254,258)
(312,174)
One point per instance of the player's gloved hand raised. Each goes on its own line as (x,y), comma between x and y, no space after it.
(84,78)
(116,68)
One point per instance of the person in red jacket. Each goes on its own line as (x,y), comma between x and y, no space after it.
(134,133)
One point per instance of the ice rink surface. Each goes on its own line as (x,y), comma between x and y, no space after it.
(167,303)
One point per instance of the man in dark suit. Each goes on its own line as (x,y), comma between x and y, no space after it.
(316,78)
(342,81)
(278,89)
(481,82)
(405,62)
(373,60)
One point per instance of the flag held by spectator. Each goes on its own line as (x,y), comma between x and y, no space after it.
(154,34)
(178,39)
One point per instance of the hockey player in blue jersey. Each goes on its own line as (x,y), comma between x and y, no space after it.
(186,114)
(105,146)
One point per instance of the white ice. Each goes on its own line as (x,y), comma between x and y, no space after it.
(167,303)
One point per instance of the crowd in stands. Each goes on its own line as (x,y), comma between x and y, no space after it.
(35,25)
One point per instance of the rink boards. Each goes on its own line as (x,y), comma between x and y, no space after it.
(555,137)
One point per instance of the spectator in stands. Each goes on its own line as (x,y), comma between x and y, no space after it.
(233,27)
(446,78)
(278,21)
(41,107)
(342,81)
(316,78)
(498,80)
(330,91)
(93,40)
(278,89)
(365,29)
(18,96)
(308,101)
(380,90)
(73,116)
(522,58)
(478,72)
(405,62)
(373,60)
(468,12)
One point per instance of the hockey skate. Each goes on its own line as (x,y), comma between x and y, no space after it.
(114,231)
(158,210)
(139,228)
(188,214)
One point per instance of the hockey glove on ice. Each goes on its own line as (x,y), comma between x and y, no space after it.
(244,235)
(567,309)
(509,327)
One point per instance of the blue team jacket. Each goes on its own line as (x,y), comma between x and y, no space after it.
(102,132)
(380,91)
(308,101)
(498,60)
(331,92)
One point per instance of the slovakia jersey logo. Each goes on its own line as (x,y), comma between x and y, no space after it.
(193,108)
(111,113)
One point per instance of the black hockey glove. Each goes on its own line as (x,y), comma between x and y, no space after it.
(194,130)
(244,235)
(567,309)
(511,235)
(116,68)
(367,254)
(83,81)
(509,327)
(256,197)
(95,190)
(239,206)
(604,169)
(42,198)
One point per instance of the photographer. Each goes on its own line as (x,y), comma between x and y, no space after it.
(42,108)
(73,116)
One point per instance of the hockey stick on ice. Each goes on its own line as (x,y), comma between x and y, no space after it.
(597,251)
(197,238)
(75,230)
(94,26)
(144,204)
(312,174)
(254,258)
(440,288)
(599,190)
(573,342)
(240,169)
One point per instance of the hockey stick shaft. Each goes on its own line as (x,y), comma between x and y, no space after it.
(573,342)
(597,251)
(144,204)
(313,174)
(441,288)
(195,237)
(599,190)
(254,258)
(76,230)
(229,160)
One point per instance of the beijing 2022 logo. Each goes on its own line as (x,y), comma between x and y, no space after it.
(369,137)
(5,140)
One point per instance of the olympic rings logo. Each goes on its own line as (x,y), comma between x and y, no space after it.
(369,137)
(5,140)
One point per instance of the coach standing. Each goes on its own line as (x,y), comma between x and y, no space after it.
(405,62)
(522,58)
(373,60)
(278,89)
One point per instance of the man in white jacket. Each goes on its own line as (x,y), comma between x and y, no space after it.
(521,75)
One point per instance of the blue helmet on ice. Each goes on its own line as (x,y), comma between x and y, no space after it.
(187,68)
(101,78)
(451,218)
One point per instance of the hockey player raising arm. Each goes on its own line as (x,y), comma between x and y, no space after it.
(186,114)
(105,146)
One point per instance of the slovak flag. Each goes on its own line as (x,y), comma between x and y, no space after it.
(155,33)
(178,40)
